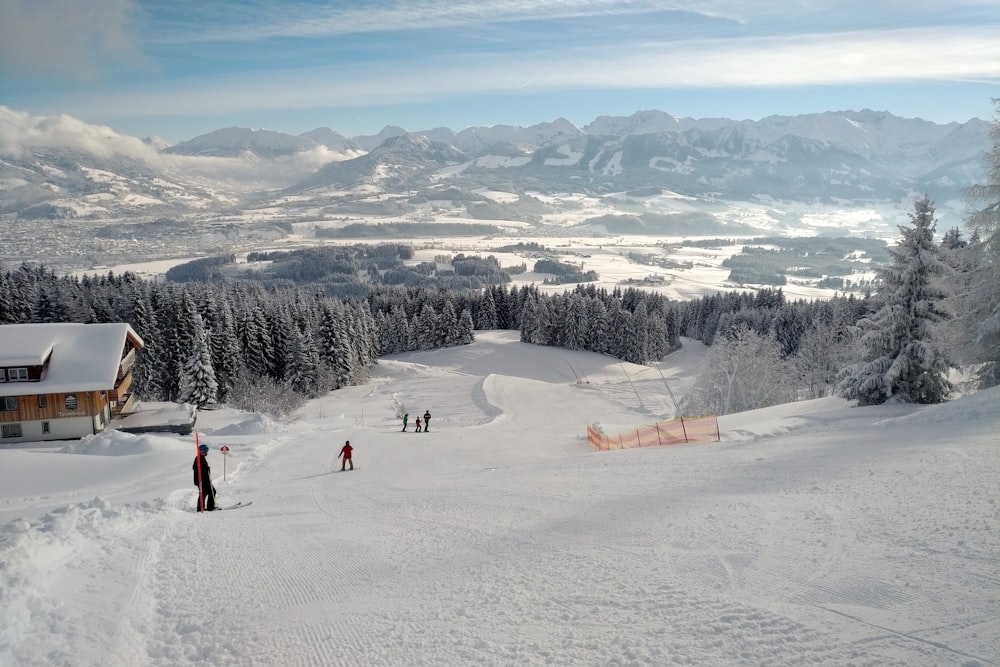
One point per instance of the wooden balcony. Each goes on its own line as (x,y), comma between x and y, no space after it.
(123,406)
(126,364)
(121,388)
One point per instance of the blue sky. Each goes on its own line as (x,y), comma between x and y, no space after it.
(179,68)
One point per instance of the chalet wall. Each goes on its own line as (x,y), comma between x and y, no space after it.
(88,404)
(59,429)
(92,415)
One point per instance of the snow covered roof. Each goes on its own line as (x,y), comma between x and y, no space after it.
(85,357)
(32,353)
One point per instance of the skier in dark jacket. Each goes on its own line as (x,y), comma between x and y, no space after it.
(203,480)
(345,454)
(427,421)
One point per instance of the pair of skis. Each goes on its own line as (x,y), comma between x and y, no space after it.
(235,506)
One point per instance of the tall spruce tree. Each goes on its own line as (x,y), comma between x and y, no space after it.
(981,302)
(147,367)
(166,304)
(225,348)
(394,331)
(425,327)
(486,314)
(22,294)
(281,323)
(334,343)
(197,384)
(49,306)
(465,328)
(447,326)
(904,358)
(258,354)
(597,322)
(572,325)
(532,327)
(302,363)
(366,341)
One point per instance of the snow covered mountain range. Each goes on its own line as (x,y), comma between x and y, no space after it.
(239,141)
(59,167)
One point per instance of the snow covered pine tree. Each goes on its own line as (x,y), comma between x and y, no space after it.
(904,360)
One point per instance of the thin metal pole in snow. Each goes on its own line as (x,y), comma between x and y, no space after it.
(637,396)
(677,410)
(573,371)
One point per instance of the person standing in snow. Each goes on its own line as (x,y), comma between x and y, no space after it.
(418,424)
(406,418)
(427,421)
(345,454)
(203,480)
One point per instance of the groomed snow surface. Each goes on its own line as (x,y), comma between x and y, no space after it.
(815,533)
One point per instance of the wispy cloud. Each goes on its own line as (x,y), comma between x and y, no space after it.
(263,21)
(249,21)
(848,58)
(248,56)
(67,38)
(919,54)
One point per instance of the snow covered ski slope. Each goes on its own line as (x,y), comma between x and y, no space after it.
(815,533)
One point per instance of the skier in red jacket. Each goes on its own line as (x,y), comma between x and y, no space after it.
(345,454)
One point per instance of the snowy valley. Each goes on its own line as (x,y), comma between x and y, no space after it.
(79,196)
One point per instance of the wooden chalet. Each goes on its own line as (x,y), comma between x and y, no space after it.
(63,380)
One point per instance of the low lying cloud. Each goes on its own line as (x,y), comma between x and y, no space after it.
(252,174)
(22,133)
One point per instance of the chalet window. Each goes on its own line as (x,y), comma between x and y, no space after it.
(71,401)
(10,404)
(43,401)
(3,375)
(45,427)
(11,431)
(18,374)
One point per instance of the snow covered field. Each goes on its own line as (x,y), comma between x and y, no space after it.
(815,533)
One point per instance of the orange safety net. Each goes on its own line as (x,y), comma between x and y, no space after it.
(673,432)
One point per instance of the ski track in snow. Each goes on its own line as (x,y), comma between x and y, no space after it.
(480,544)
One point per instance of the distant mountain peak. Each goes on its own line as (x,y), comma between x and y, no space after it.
(394,161)
(333,140)
(641,122)
(235,141)
(368,142)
